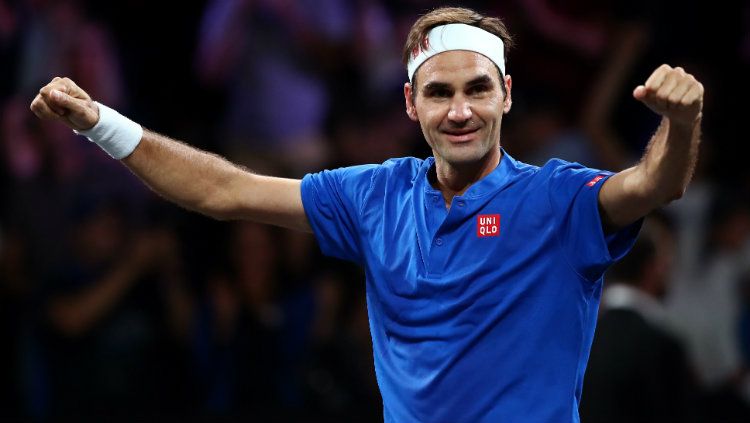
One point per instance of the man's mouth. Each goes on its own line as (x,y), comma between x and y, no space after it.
(461,135)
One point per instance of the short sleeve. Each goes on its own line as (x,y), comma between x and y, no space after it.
(574,198)
(333,202)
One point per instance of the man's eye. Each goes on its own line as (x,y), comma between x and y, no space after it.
(477,89)
(440,93)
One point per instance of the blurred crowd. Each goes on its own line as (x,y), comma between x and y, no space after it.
(117,306)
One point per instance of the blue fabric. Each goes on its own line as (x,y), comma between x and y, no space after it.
(468,328)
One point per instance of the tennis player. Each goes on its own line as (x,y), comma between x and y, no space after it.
(483,273)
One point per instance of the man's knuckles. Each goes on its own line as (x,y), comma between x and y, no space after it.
(42,110)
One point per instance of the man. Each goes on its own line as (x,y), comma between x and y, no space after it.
(483,273)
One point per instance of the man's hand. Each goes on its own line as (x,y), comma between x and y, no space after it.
(64,101)
(668,163)
(672,93)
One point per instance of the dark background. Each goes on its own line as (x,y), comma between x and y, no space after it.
(115,305)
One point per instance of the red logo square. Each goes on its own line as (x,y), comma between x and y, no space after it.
(488,225)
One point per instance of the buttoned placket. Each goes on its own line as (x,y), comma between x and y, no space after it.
(444,231)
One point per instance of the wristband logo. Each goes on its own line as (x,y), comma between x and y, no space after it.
(488,225)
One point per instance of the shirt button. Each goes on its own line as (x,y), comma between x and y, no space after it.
(439,241)
(435,199)
(461,204)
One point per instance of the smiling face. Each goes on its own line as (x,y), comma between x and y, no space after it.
(459,103)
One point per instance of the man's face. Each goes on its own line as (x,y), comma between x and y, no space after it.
(459,103)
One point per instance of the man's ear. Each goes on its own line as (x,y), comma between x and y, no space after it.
(411,111)
(508,99)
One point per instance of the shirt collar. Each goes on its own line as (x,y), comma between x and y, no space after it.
(496,180)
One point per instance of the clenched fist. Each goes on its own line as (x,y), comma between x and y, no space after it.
(672,93)
(64,101)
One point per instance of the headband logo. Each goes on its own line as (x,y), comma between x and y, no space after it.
(423,46)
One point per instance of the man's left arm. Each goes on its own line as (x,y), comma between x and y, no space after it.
(666,167)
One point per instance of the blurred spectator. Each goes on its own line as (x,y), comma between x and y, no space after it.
(574,86)
(627,47)
(36,177)
(341,373)
(32,180)
(541,130)
(638,370)
(273,58)
(706,301)
(373,135)
(375,52)
(43,161)
(10,34)
(60,40)
(110,345)
(241,336)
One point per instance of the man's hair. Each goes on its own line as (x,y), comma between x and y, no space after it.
(451,15)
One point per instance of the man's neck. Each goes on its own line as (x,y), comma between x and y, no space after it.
(453,180)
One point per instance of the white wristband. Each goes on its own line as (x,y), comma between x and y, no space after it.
(114,133)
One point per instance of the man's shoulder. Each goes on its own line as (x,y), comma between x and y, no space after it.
(556,164)
(401,168)
(563,170)
(402,171)
(400,174)
(552,166)
(408,165)
(398,165)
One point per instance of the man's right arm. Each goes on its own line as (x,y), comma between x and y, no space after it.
(209,184)
(194,179)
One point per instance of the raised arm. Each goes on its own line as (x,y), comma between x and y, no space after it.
(667,166)
(194,179)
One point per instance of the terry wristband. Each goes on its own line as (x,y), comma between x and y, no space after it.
(114,133)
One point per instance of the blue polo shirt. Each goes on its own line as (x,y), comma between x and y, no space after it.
(486,312)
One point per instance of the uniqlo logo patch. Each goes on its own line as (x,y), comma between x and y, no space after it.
(488,225)
(593,182)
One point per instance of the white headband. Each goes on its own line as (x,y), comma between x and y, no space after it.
(458,37)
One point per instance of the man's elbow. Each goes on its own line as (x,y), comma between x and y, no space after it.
(677,194)
(660,192)
(674,195)
(216,210)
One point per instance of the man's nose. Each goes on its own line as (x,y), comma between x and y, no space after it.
(460,110)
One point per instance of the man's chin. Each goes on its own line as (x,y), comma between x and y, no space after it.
(464,154)
(466,157)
